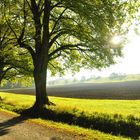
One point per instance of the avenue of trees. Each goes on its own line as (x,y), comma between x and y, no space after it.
(59,35)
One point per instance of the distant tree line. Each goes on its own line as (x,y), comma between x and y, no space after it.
(117,76)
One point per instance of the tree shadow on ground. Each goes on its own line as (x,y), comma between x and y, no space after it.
(5,126)
(102,122)
(99,122)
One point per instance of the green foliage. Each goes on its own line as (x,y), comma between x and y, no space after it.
(14,62)
(17,82)
(80,31)
(90,24)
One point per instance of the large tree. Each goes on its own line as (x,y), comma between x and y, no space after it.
(66,35)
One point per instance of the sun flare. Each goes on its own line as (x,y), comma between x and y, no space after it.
(116,40)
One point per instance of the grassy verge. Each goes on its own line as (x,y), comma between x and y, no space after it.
(78,132)
(72,112)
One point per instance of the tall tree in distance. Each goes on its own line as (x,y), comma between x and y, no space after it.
(66,35)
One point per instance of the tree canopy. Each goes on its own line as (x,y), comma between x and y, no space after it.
(79,32)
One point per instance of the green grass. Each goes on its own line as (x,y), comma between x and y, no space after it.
(86,134)
(106,115)
(123,107)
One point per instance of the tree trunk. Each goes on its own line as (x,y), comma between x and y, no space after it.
(0,82)
(1,75)
(40,87)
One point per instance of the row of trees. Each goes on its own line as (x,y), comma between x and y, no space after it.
(59,35)
(92,78)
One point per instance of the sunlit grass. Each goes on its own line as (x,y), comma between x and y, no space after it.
(123,107)
(110,116)
(18,99)
(86,134)
(24,101)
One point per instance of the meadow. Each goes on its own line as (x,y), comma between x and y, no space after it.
(114,117)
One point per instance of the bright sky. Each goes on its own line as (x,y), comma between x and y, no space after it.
(129,63)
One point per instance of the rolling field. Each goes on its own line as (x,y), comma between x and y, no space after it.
(119,90)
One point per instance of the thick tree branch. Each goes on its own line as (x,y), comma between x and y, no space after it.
(4,73)
(8,69)
(52,65)
(37,22)
(34,7)
(56,37)
(59,4)
(20,42)
(56,56)
(45,38)
(12,29)
(15,65)
(38,4)
(21,37)
(29,48)
(65,47)
(57,21)
(6,33)
(29,4)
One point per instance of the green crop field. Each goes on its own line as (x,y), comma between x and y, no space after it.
(119,114)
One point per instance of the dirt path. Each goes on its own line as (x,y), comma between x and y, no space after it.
(17,128)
